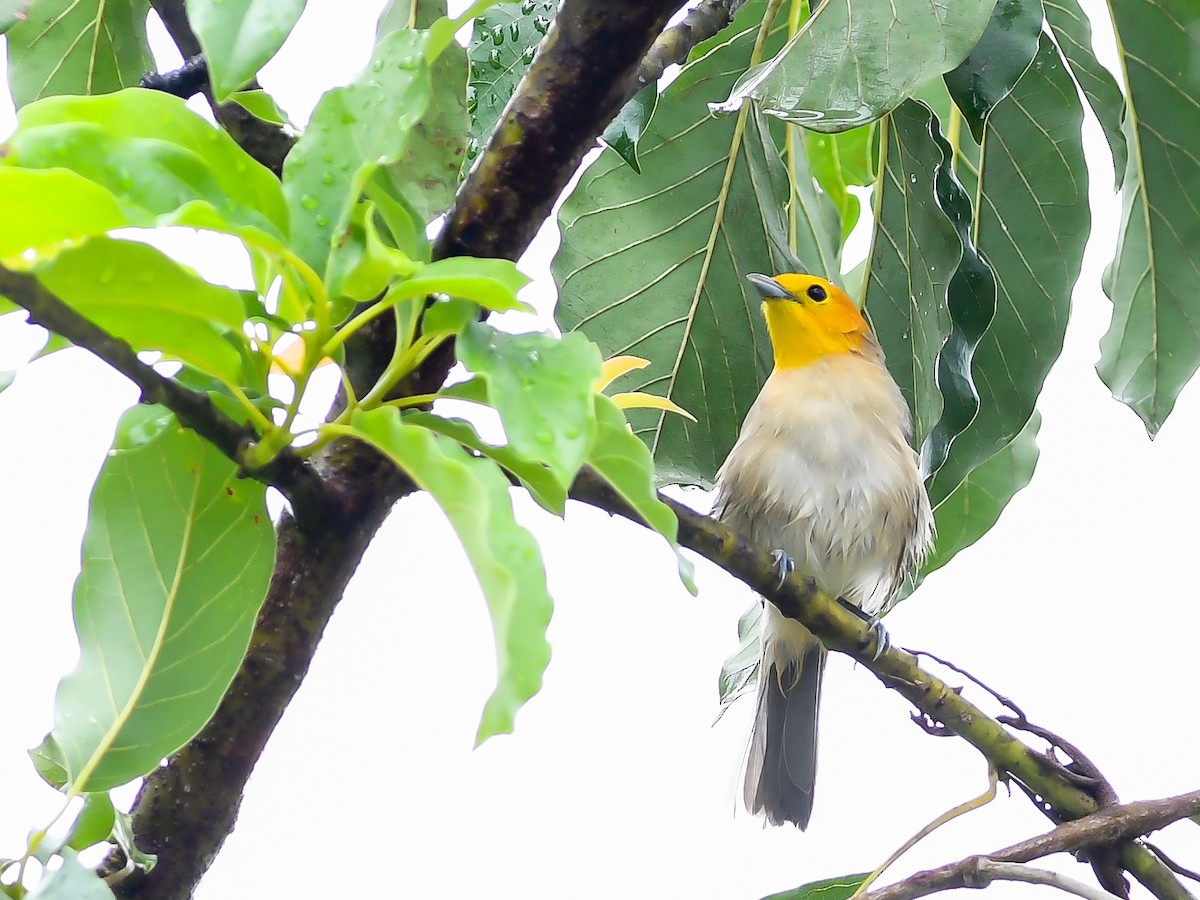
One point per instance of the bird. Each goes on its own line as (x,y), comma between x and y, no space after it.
(823,473)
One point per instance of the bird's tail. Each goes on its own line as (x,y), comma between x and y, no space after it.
(781,768)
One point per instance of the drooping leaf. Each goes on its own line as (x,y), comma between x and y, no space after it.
(997,61)
(94,823)
(837,72)
(542,388)
(474,495)
(137,293)
(261,105)
(1152,347)
(1031,226)
(162,162)
(840,160)
(502,46)
(1073,33)
(655,264)
(625,131)
(238,37)
(353,131)
(739,673)
(975,505)
(176,559)
(77,47)
(623,461)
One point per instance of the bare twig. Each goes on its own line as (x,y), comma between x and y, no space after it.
(987,871)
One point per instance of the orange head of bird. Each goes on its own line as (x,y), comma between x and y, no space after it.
(809,318)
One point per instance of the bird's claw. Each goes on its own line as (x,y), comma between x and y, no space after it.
(874,626)
(784,563)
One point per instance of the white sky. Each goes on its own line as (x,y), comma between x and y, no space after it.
(1078,605)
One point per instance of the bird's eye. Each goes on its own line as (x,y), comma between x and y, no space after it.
(816,292)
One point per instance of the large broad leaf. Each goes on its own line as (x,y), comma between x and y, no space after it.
(138,294)
(914,254)
(1073,33)
(1031,225)
(997,61)
(474,495)
(542,388)
(503,44)
(1152,347)
(177,556)
(77,47)
(975,505)
(163,162)
(655,264)
(43,209)
(353,131)
(855,60)
(239,36)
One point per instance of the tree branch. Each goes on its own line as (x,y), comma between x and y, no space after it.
(290,475)
(798,597)
(1110,827)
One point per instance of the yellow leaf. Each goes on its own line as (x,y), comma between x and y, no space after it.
(642,400)
(614,367)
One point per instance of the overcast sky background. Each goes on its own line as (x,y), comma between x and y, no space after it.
(1078,605)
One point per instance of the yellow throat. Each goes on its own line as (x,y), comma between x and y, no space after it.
(808,318)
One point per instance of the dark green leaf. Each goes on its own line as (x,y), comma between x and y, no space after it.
(997,62)
(474,495)
(135,292)
(837,72)
(542,388)
(1031,226)
(1152,347)
(502,46)
(353,131)
(239,36)
(624,462)
(1074,35)
(624,132)
(77,47)
(655,264)
(177,556)
(975,505)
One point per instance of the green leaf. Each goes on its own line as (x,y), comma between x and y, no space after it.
(542,388)
(739,673)
(12,12)
(624,132)
(474,495)
(541,483)
(177,556)
(655,264)
(840,160)
(138,294)
(1031,225)
(353,131)
(1073,33)
(45,208)
(1152,347)
(841,888)
(238,37)
(975,505)
(915,252)
(836,74)
(123,835)
(428,169)
(997,62)
(502,46)
(399,14)
(261,105)
(491,283)
(623,461)
(77,47)
(94,823)
(156,156)
(71,881)
(49,762)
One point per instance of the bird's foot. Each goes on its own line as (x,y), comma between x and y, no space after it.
(874,626)
(784,563)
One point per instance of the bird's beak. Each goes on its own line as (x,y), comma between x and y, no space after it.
(768,288)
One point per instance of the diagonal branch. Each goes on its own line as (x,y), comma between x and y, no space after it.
(1110,827)
(290,475)
(798,597)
